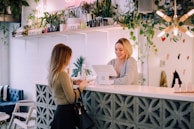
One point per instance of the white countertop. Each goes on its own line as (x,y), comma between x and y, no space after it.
(144,91)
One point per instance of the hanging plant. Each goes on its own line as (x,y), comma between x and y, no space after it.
(16,7)
(144,22)
(4,33)
(182,8)
(147,23)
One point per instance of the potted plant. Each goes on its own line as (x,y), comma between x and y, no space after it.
(79,67)
(104,9)
(33,21)
(51,20)
(3,6)
(16,7)
(108,10)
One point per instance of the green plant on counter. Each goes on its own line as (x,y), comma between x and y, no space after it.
(78,70)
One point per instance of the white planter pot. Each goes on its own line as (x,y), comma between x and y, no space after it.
(8,10)
(110,20)
(62,27)
(73,23)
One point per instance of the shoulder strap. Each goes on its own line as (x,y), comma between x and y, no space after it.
(80,98)
(75,96)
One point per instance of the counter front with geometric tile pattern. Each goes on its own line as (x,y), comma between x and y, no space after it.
(116,111)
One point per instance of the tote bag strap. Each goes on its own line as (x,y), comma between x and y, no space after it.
(80,94)
(75,96)
(80,98)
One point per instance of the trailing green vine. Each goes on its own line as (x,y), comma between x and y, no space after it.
(4,33)
(147,23)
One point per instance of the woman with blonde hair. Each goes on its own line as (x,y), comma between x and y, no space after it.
(62,87)
(124,64)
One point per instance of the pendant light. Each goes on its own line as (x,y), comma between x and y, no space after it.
(175,22)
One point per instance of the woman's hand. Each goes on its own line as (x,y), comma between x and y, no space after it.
(77,82)
(83,84)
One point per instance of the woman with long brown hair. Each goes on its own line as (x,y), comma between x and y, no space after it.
(62,87)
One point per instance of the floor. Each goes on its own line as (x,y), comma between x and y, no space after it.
(3,126)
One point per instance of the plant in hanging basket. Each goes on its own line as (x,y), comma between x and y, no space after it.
(16,7)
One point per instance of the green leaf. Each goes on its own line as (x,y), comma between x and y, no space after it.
(78,64)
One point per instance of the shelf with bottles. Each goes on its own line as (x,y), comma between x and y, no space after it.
(39,34)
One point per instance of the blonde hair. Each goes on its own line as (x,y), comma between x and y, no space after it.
(60,57)
(127,47)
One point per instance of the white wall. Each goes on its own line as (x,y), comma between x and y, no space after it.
(168,52)
(4,60)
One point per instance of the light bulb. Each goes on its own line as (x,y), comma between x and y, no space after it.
(164,31)
(161,34)
(161,14)
(191,12)
(175,31)
(185,16)
(184,30)
(165,17)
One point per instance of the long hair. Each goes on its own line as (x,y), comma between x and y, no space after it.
(127,47)
(60,57)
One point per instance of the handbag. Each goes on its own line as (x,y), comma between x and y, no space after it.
(82,119)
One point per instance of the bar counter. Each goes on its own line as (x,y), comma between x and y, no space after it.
(144,91)
(126,107)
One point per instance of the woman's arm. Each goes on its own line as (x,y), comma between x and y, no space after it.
(128,75)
